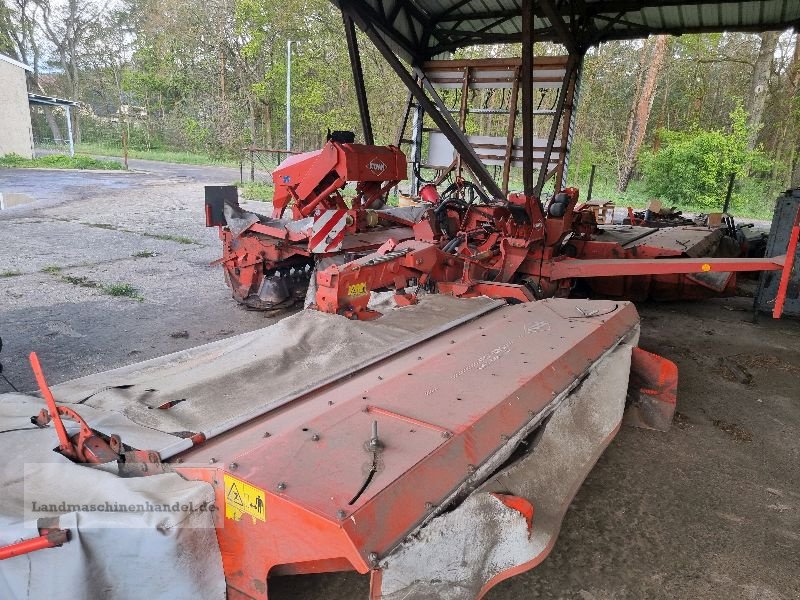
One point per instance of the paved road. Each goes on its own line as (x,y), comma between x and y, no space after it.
(48,187)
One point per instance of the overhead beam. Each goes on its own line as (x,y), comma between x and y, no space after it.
(557,23)
(358,78)
(369,15)
(478,15)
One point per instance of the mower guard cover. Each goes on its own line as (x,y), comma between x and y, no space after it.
(485,418)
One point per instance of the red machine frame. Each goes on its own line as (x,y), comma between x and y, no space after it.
(510,251)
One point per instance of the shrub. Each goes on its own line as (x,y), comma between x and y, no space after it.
(692,168)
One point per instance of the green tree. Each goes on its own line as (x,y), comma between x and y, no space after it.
(692,167)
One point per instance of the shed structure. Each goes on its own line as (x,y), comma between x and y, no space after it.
(16,135)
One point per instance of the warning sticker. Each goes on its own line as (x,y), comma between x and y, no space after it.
(357,289)
(241,497)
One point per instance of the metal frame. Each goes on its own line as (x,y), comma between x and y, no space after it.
(358,78)
(502,73)
(428,100)
(420,30)
(425,95)
(39,100)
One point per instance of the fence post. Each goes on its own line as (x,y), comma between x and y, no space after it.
(252,166)
(124,146)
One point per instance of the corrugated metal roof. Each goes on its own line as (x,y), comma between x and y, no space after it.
(424,28)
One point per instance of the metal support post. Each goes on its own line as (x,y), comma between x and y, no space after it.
(591,183)
(69,131)
(726,206)
(527,98)
(358,78)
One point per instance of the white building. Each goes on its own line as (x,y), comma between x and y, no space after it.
(16,135)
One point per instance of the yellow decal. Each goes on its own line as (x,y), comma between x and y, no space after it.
(241,497)
(705,267)
(357,289)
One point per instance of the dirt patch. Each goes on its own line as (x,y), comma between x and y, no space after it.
(765,362)
(681,421)
(736,431)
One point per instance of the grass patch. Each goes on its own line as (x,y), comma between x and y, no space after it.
(10,273)
(256,190)
(173,156)
(58,161)
(52,269)
(120,290)
(144,254)
(181,239)
(80,281)
(124,290)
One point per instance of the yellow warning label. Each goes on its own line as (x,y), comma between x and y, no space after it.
(705,267)
(357,289)
(241,497)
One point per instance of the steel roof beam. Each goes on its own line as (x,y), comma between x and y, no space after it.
(358,78)
(564,34)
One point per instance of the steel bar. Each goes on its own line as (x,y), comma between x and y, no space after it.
(729,193)
(591,183)
(358,78)
(557,23)
(63,437)
(568,128)
(572,68)
(51,539)
(527,97)
(614,267)
(512,123)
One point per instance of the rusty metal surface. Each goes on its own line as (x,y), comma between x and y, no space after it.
(692,241)
(652,393)
(510,523)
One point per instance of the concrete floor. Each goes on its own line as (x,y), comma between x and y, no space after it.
(709,509)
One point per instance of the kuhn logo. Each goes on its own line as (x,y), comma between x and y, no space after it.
(377,166)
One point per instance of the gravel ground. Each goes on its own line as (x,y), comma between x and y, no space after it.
(709,509)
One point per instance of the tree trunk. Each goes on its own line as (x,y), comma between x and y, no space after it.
(759,84)
(794,85)
(640,110)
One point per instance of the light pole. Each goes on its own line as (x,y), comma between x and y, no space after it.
(288,94)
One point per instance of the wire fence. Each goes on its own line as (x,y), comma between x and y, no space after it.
(257,164)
